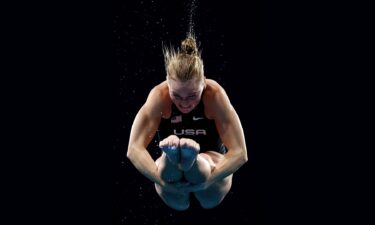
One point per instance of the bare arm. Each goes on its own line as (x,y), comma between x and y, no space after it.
(231,133)
(142,132)
(229,127)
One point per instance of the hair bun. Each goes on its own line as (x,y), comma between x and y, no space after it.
(189,46)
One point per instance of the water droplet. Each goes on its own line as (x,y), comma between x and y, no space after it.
(193,6)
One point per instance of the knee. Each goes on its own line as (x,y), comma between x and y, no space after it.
(210,203)
(176,202)
(179,206)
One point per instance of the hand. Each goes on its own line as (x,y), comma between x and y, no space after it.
(171,142)
(170,146)
(189,144)
(189,151)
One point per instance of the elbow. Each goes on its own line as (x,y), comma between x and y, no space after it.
(134,152)
(245,159)
(130,153)
(240,156)
(243,156)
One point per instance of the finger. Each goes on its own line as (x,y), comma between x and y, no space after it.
(162,144)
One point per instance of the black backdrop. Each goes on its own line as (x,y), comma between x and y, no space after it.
(77,72)
(257,57)
(281,65)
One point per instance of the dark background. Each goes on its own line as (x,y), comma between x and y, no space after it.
(75,74)
(269,62)
(234,50)
(282,65)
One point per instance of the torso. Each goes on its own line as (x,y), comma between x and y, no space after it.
(197,124)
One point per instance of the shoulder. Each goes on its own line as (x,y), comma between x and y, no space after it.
(158,100)
(159,92)
(214,92)
(215,99)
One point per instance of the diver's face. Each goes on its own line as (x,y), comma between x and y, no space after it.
(185,95)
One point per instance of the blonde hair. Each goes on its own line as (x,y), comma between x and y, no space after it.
(185,63)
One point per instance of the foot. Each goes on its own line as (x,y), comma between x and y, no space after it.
(170,146)
(189,151)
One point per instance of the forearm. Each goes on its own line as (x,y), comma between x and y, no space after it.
(144,163)
(230,164)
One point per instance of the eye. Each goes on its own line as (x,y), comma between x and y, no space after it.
(192,97)
(177,97)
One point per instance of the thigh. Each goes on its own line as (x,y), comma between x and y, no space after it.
(212,157)
(214,195)
(176,201)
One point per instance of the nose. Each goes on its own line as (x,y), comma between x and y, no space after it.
(184,100)
(184,103)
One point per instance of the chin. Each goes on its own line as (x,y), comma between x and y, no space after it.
(185,110)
